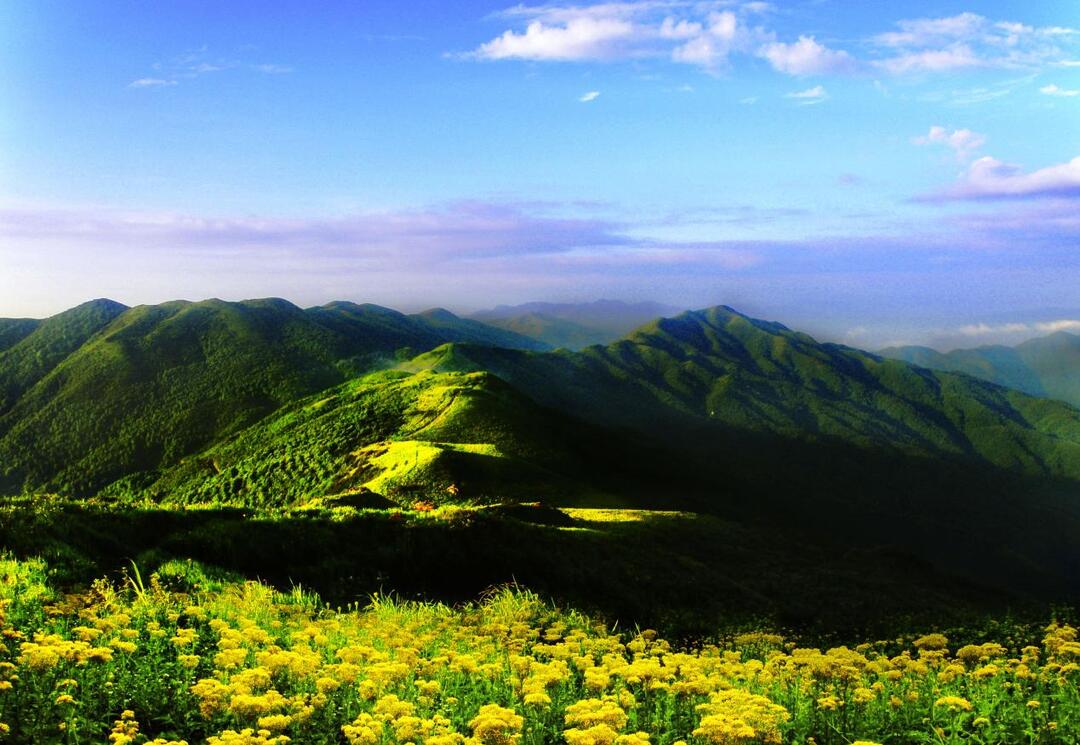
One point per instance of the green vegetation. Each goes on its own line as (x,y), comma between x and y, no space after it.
(188,655)
(685,573)
(102,392)
(707,475)
(1048,366)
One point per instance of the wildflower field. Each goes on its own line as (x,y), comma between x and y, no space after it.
(178,657)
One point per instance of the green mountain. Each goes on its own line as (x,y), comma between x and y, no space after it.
(35,348)
(14,330)
(719,370)
(574,325)
(390,438)
(1048,366)
(711,412)
(102,392)
(263,405)
(453,328)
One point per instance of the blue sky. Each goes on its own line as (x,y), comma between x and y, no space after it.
(870,175)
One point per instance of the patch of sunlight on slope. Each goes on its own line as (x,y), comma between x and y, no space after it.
(603,515)
(409,461)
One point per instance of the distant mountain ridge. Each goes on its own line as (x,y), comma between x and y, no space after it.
(1048,366)
(575,325)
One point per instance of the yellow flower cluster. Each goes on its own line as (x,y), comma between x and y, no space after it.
(254,667)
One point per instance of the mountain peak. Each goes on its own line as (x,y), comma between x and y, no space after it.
(438,314)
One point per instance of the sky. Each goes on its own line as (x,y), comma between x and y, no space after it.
(871,173)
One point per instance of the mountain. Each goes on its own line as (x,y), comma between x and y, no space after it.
(843,445)
(262,404)
(557,333)
(453,328)
(1048,366)
(719,369)
(390,438)
(102,391)
(574,325)
(36,347)
(712,412)
(14,330)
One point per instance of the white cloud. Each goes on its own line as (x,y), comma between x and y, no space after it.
(1053,90)
(150,83)
(704,34)
(590,96)
(581,38)
(990,178)
(1027,329)
(932,60)
(707,33)
(710,47)
(967,40)
(963,142)
(271,69)
(817,94)
(921,32)
(806,57)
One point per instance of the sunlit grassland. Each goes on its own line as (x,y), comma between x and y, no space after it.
(183,656)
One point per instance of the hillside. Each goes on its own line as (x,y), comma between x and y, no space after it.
(557,333)
(717,369)
(262,404)
(33,348)
(389,438)
(1048,366)
(102,392)
(837,443)
(710,411)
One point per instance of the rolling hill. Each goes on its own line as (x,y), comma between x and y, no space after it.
(1048,366)
(102,391)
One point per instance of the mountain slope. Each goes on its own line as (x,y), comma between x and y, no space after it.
(1048,366)
(433,437)
(100,392)
(452,328)
(712,412)
(35,354)
(719,369)
(14,330)
(846,446)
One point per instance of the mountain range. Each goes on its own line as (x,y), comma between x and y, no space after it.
(1048,366)
(261,404)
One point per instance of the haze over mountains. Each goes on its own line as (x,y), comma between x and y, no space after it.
(261,403)
(575,325)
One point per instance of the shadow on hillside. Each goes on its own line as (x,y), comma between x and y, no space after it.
(685,574)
